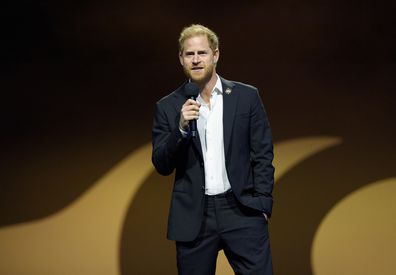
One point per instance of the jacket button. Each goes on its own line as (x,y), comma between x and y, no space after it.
(203,187)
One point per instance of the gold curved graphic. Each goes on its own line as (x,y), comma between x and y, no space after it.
(84,237)
(358,235)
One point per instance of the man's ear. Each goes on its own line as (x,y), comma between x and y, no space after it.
(216,55)
(181,58)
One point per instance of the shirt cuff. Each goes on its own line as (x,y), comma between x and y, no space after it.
(183,132)
(265,216)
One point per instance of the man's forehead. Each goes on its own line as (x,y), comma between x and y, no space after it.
(196,40)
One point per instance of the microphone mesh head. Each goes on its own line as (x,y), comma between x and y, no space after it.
(191,89)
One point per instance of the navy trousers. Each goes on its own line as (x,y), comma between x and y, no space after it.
(240,231)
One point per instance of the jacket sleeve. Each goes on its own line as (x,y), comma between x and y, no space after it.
(167,140)
(261,153)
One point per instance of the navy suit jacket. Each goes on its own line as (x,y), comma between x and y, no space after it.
(248,155)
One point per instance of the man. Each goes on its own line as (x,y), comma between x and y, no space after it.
(221,197)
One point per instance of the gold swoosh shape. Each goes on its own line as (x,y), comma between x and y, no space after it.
(291,152)
(358,235)
(84,237)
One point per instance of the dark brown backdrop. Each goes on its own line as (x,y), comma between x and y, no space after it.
(79,82)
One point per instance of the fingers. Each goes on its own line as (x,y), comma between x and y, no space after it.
(189,111)
(192,103)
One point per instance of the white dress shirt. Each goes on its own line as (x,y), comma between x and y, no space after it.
(210,129)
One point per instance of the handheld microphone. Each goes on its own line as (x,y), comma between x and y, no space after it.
(192,91)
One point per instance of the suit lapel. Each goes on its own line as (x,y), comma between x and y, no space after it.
(230,100)
(197,143)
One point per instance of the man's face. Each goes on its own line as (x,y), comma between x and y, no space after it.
(198,59)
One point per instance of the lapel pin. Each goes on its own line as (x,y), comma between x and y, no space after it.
(228,91)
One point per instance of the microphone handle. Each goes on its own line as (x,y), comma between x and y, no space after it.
(193,124)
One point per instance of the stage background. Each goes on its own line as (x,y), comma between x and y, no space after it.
(79,82)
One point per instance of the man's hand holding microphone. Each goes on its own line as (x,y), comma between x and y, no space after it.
(190,110)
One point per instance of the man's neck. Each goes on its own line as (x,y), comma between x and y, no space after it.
(207,88)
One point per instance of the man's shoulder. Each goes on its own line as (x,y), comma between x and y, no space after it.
(244,86)
(240,86)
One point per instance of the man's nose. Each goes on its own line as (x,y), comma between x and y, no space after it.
(196,59)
